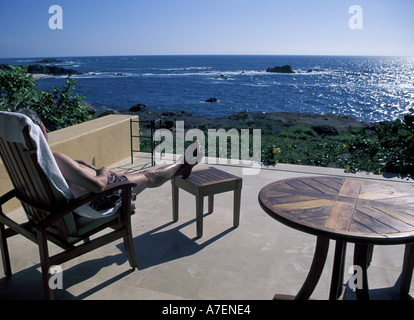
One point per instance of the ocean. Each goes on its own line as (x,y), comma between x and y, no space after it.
(366,88)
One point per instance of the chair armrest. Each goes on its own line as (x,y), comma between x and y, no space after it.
(7,197)
(82,200)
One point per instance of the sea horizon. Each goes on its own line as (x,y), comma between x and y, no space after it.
(4,60)
(202,54)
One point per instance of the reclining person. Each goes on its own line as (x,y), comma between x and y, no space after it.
(83,177)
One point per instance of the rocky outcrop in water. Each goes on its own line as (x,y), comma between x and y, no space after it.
(283,69)
(52,70)
(49,70)
(49,60)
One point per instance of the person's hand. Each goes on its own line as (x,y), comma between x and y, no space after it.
(104,171)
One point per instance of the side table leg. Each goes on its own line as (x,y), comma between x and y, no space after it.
(361,260)
(210,203)
(199,215)
(236,207)
(175,200)
(318,262)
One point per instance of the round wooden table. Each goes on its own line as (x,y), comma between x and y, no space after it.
(364,212)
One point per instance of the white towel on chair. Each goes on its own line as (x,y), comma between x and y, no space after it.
(11,129)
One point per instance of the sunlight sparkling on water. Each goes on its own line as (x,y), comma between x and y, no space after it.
(367,88)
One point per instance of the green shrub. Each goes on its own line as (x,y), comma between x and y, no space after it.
(327,153)
(390,150)
(57,108)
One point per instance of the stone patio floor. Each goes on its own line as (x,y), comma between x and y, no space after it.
(258,259)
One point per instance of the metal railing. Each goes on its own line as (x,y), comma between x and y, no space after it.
(151,136)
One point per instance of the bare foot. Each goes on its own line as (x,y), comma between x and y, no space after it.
(192,156)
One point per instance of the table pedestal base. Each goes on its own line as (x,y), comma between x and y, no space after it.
(362,258)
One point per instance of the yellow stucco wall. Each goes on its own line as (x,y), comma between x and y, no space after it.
(101,142)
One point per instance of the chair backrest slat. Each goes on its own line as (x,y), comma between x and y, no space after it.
(30,181)
(21,175)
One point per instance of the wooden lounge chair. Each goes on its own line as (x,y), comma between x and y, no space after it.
(49,204)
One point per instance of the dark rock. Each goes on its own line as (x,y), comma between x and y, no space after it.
(49,60)
(139,108)
(91,110)
(269,123)
(325,130)
(211,100)
(168,114)
(38,69)
(283,69)
(244,115)
(184,113)
(52,70)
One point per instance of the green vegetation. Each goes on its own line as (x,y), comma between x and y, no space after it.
(58,108)
(390,149)
(387,148)
(302,145)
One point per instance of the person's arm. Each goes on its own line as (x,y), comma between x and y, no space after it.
(86,164)
(74,174)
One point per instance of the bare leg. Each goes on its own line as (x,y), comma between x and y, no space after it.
(156,178)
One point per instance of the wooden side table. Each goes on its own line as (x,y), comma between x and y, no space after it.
(207,182)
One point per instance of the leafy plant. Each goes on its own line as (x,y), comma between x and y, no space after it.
(16,88)
(58,108)
(389,149)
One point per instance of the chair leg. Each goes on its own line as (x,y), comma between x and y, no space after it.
(129,248)
(5,252)
(45,264)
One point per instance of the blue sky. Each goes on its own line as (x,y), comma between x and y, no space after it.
(159,27)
